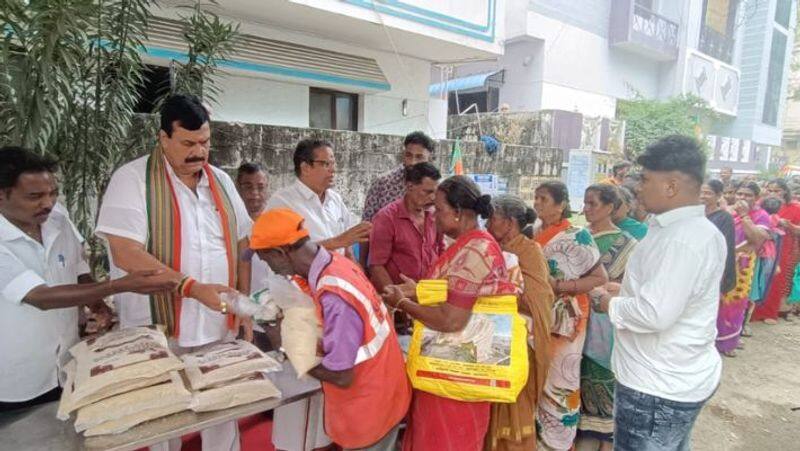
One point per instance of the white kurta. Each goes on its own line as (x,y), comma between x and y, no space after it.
(123,213)
(34,342)
(323,220)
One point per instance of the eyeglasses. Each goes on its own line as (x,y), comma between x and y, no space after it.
(327,164)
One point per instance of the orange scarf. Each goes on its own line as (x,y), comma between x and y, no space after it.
(546,234)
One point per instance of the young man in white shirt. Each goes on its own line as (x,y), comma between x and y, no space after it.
(299,426)
(173,211)
(43,278)
(665,311)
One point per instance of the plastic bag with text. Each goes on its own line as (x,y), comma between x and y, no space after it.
(486,361)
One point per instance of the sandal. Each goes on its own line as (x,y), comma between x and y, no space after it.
(730,354)
(771,321)
(740,345)
(746,332)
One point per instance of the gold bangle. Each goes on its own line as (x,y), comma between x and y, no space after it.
(223,307)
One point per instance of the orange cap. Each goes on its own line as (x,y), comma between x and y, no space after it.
(277,227)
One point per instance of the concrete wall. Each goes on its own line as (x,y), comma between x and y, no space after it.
(550,128)
(360,157)
(582,73)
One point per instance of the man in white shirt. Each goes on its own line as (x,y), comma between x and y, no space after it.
(171,210)
(43,278)
(665,311)
(299,426)
(252,185)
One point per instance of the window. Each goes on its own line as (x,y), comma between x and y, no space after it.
(155,83)
(777,60)
(486,101)
(646,4)
(783,12)
(333,110)
(718,26)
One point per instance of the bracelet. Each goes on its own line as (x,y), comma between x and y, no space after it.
(223,307)
(179,288)
(187,287)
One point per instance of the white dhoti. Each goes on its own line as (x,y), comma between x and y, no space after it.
(299,426)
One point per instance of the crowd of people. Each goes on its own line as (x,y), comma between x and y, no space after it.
(626,316)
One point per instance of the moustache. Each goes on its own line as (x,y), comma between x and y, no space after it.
(194,160)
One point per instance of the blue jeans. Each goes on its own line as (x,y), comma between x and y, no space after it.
(644,422)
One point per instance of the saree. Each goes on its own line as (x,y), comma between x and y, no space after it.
(635,228)
(513,426)
(571,253)
(734,304)
(473,266)
(597,379)
(789,255)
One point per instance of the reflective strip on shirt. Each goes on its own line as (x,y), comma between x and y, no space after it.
(381,328)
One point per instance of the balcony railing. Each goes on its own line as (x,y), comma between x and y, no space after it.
(654,26)
(636,28)
(716,45)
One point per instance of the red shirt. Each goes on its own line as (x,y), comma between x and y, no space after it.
(397,244)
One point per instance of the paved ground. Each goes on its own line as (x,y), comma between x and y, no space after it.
(752,410)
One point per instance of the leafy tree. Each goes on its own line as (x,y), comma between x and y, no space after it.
(647,120)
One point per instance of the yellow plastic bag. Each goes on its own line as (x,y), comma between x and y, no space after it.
(487,361)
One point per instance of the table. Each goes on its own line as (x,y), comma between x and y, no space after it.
(38,428)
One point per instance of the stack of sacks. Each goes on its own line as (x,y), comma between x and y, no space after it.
(121,379)
(229,374)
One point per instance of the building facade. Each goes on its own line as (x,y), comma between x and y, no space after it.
(584,56)
(358,65)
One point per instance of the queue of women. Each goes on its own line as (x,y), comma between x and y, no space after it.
(569,393)
(569,397)
(761,223)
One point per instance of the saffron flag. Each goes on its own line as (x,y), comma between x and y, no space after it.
(456,162)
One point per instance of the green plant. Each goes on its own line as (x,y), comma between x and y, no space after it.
(646,120)
(70,72)
(44,44)
(210,41)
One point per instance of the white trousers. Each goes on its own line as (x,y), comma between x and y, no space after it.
(299,426)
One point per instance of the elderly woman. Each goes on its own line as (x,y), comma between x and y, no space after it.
(573,259)
(596,427)
(622,214)
(513,426)
(473,267)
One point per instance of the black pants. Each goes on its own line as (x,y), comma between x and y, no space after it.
(52,395)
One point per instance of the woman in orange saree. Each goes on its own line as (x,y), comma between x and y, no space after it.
(573,259)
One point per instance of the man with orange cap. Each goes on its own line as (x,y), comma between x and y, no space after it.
(362,371)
